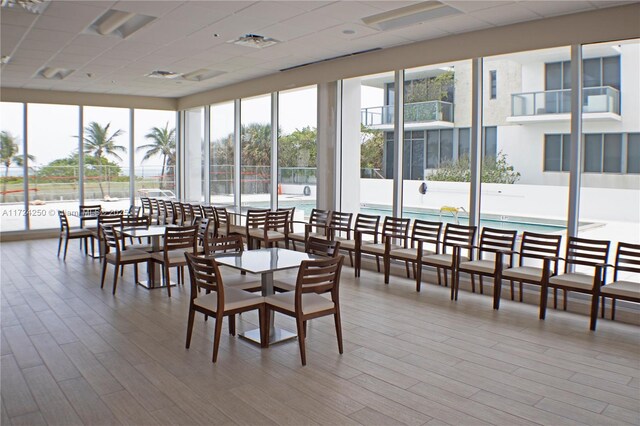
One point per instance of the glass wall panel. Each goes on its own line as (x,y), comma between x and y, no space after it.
(53,179)
(367,144)
(155,153)
(222,153)
(297,150)
(256,151)
(610,184)
(194,156)
(106,157)
(437,116)
(12,202)
(525,164)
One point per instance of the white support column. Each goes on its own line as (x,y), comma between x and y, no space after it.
(350,145)
(132,160)
(80,155)
(25,165)
(575,175)
(275,122)
(237,156)
(206,185)
(398,143)
(327,171)
(475,153)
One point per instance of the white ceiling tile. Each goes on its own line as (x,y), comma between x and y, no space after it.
(554,8)
(192,13)
(286,32)
(272,11)
(97,42)
(460,23)
(54,23)
(147,7)
(48,35)
(347,11)
(77,10)
(386,6)
(474,5)
(161,32)
(420,32)
(338,31)
(16,16)
(313,22)
(505,15)
(610,3)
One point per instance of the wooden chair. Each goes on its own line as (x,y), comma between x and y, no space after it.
(306,302)
(275,229)
(366,225)
(394,229)
(460,236)
(134,211)
(292,212)
(494,244)
(220,301)
(423,232)
(226,227)
(177,241)
(340,226)
(315,246)
(117,256)
(138,222)
(89,213)
(197,213)
(155,211)
(256,219)
(316,227)
(627,260)
(233,244)
(187,216)
(534,248)
(146,206)
(178,214)
(66,234)
(113,218)
(581,252)
(204,233)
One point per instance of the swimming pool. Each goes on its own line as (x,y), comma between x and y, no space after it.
(521,224)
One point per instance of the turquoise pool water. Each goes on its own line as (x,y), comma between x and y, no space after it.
(521,224)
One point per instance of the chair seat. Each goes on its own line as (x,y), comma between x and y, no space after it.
(81,232)
(233,299)
(233,229)
(232,279)
(408,253)
(271,235)
(480,266)
(311,302)
(284,286)
(523,273)
(573,280)
(300,236)
(626,289)
(129,255)
(141,247)
(346,244)
(175,256)
(441,259)
(378,248)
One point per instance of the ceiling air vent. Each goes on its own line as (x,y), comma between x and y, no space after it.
(254,40)
(409,15)
(33,6)
(201,74)
(53,73)
(118,23)
(162,74)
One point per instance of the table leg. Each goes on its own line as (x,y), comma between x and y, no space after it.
(155,272)
(276,335)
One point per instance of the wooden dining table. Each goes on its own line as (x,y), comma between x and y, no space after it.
(155,273)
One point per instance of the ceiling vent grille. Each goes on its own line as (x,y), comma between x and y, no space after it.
(410,15)
(254,40)
(163,74)
(202,74)
(118,23)
(53,73)
(33,6)
(331,59)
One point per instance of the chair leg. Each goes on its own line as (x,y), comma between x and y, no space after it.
(104,273)
(418,276)
(59,245)
(544,290)
(564,300)
(613,309)
(264,330)
(602,309)
(121,270)
(232,325)
(267,324)
(446,283)
(481,284)
(473,283)
(406,265)
(336,319)
(555,298)
(167,279)
(378,262)
(216,336)
(351,258)
(135,273)
(115,277)
(521,295)
(387,267)
(66,245)
(497,290)
(439,279)
(511,284)
(595,299)
(301,337)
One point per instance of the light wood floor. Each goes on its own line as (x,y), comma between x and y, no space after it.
(74,354)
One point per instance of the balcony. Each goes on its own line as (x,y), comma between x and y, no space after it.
(418,115)
(599,103)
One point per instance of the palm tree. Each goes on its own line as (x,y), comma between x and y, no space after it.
(9,154)
(163,142)
(98,143)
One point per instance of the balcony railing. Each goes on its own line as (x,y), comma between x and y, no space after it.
(418,112)
(595,99)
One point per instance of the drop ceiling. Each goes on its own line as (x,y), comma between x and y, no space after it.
(182,39)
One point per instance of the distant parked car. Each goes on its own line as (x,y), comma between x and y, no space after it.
(163,194)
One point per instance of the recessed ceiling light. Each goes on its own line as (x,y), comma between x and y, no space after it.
(348,32)
(201,74)
(410,15)
(4,59)
(53,73)
(119,23)
(162,74)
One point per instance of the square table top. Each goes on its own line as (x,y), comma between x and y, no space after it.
(152,231)
(264,260)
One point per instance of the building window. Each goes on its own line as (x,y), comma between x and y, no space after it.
(603,153)
(464,142)
(490,142)
(439,148)
(633,153)
(556,153)
(493,84)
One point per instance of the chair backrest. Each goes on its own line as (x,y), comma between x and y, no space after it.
(146,206)
(461,235)
(208,211)
(367,224)
(111,238)
(64,221)
(538,246)
(133,210)
(256,218)
(178,213)
(318,276)
(319,219)
(586,252)
(340,223)
(89,210)
(322,247)
(277,221)
(396,228)
(627,259)
(495,240)
(204,225)
(231,243)
(428,232)
(205,274)
(180,237)
(291,211)
(110,219)
(197,211)
(222,218)
(138,222)
(187,213)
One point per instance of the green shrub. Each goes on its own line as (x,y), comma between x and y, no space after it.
(494,170)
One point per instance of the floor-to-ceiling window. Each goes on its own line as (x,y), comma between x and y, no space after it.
(297,150)
(255,142)
(193,152)
(437,118)
(155,153)
(526,141)
(222,153)
(610,166)
(106,157)
(12,199)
